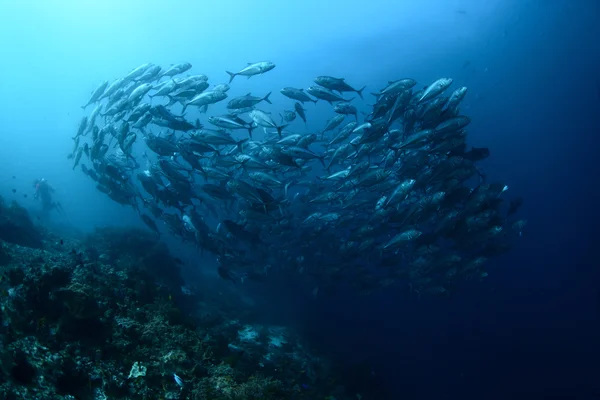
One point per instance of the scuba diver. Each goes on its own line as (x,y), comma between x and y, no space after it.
(43,192)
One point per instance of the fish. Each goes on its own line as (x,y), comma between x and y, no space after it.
(83,124)
(398,86)
(344,133)
(229,123)
(137,72)
(179,124)
(222,87)
(302,153)
(113,88)
(139,92)
(325,94)
(296,94)
(78,157)
(514,206)
(395,199)
(142,121)
(403,238)
(337,84)
(455,99)
(334,123)
(263,119)
(192,81)
(435,89)
(150,223)
(346,108)
(218,138)
(252,69)
(96,94)
(288,115)
(205,99)
(150,74)
(452,125)
(166,88)
(177,69)
(247,101)
(300,111)
(225,274)
(178,380)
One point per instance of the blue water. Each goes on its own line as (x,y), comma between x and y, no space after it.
(533,70)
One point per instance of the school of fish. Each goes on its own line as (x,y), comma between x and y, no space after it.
(382,195)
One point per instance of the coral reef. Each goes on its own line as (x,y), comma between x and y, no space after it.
(105,317)
(17,227)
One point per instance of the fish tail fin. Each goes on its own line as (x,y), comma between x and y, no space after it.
(280,129)
(171,101)
(240,144)
(204,174)
(184,108)
(287,185)
(266,98)
(231,76)
(359,92)
(322,159)
(250,129)
(204,109)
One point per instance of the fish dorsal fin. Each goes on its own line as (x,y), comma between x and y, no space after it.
(249,94)
(249,63)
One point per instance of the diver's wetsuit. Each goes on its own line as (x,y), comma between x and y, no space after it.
(43,192)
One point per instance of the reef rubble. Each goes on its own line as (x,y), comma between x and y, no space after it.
(107,316)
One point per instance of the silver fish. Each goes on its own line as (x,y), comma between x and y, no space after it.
(250,70)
